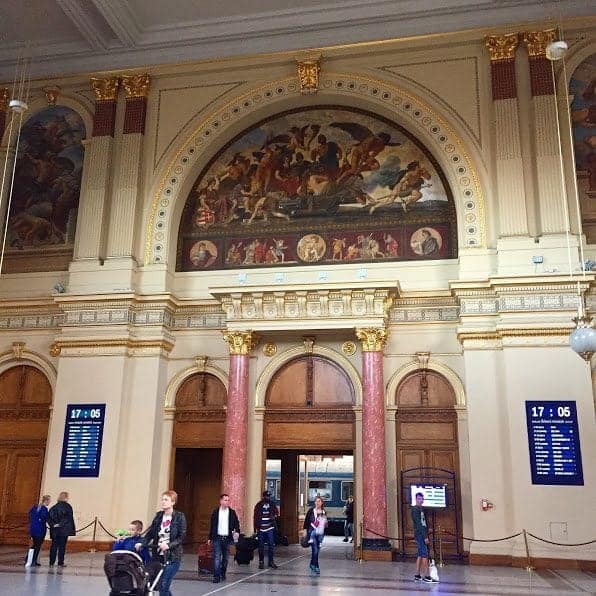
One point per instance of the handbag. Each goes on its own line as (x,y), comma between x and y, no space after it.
(304,541)
(433,572)
(29,558)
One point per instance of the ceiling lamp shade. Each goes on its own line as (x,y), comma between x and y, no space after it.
(583,338)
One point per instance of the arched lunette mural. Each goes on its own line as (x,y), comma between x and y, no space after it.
(323,184)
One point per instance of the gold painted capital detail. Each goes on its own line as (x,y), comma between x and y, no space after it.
(373,339)
(241,342)
(4,99)
(502,47)
(136,85)
(536,41)
(308,74)
(105,89)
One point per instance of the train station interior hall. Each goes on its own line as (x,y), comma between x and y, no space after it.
(343,254)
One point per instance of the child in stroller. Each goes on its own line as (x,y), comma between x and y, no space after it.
(127,574)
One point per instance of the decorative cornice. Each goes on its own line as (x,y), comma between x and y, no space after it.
(309,414)
(105,89)
(136,85)
(200,415)
(241,343)
(373,339)
(98,344)
(4,95)
(308,75)
(512,332)
(502,47)
(537,41)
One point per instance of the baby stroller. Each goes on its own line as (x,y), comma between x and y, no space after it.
(127,574)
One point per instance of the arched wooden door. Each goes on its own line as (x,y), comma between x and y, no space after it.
(197,442)
(25,399)
(426,427)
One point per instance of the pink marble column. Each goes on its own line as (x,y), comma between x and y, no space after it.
(234,469)
(374,494)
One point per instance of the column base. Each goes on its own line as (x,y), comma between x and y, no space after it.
(376,549)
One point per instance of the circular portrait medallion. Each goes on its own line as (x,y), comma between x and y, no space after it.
(426,242)
(311,248)
(203,253)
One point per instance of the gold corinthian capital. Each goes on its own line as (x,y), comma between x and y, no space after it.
(105,89)
(136,85)
(536,41)
(502,47)
(240,342)
(372,338)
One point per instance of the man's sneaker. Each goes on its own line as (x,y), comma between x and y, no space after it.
(273,565)
(317,570)
(345,540)
(429,580)
(261,565)
(417,578)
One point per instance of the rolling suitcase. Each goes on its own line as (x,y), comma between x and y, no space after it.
(205,558)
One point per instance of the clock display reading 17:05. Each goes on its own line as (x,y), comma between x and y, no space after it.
(551,411)
(78,413)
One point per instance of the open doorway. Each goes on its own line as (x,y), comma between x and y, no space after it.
(296,477)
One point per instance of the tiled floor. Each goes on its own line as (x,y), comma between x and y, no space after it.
(84,576)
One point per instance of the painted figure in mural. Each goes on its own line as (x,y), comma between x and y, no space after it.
(391,245)
(203,254)
(337,248)
(424,242)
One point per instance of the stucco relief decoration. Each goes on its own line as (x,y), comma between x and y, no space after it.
(582,95)
(536,41)
(317,185)
(45,199)
(240,342)
(308,74)
(502,47)
(105,89)
(373,339)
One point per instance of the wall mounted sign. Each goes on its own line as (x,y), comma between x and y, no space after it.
(553,437)
(83,435)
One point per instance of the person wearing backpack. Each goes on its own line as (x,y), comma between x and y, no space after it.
(61,522)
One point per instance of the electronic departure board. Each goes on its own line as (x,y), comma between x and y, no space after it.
(553,436)
(83,435)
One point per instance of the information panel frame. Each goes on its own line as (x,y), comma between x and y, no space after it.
(554,443)
(83,440)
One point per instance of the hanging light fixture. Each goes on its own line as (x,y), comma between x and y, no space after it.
(583,338)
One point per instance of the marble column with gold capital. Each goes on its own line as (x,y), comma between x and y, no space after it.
(550,182)
(374,487)
(96,172)
(513,218)
(234,468)
(127,177)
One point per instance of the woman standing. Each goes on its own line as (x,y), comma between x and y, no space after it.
(61,522)
(315,523)
(38,516)
(167,532)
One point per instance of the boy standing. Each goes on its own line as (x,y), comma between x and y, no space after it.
(422,542)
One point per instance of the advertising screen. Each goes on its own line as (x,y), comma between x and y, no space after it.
(435,495)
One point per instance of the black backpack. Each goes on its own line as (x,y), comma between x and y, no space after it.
(245,550)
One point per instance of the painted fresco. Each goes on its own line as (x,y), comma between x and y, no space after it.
(320,185)
(45,199)
(582,89)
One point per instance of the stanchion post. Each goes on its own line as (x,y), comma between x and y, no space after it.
(92,549)
(361,539)
(441,563)
(529,566)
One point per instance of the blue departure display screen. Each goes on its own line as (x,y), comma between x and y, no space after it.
(83,435)
(553,436)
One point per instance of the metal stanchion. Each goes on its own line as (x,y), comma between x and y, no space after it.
(441,563)
(529,566)
(92,549)
(361,540)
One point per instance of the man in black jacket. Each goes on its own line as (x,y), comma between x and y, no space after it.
(61,522)
(167,533)
(265,524)
(225,529)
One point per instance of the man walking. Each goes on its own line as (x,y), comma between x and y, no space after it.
(349,523)
(265,524)
(225,529)
(422,542)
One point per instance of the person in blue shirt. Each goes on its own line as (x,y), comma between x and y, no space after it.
(38,516)
(129,540)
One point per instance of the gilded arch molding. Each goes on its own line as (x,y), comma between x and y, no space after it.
(413,366)
(445,144)
(179,378)
(278,361)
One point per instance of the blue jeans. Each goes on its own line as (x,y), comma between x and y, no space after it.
(221,552)
(266,538)
(169,571)
(315,547)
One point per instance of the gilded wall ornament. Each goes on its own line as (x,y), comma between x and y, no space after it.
(308,74)
(52,93)
(240,342)
(502,47)
(372,338)
(136,85)
(536,41)
(348,348)
(55,350)
(269,349)
(105,89)
(17,349)
(4,99)
(201,363)
(309,344)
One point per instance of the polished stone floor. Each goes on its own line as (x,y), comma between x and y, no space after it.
(340,574)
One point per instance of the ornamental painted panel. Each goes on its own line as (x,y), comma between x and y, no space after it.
(318,185)
(45,199)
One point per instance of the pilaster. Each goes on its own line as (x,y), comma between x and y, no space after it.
(3,110)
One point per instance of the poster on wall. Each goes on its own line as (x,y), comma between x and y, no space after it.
(83,436)
(553,437)
(318,185)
